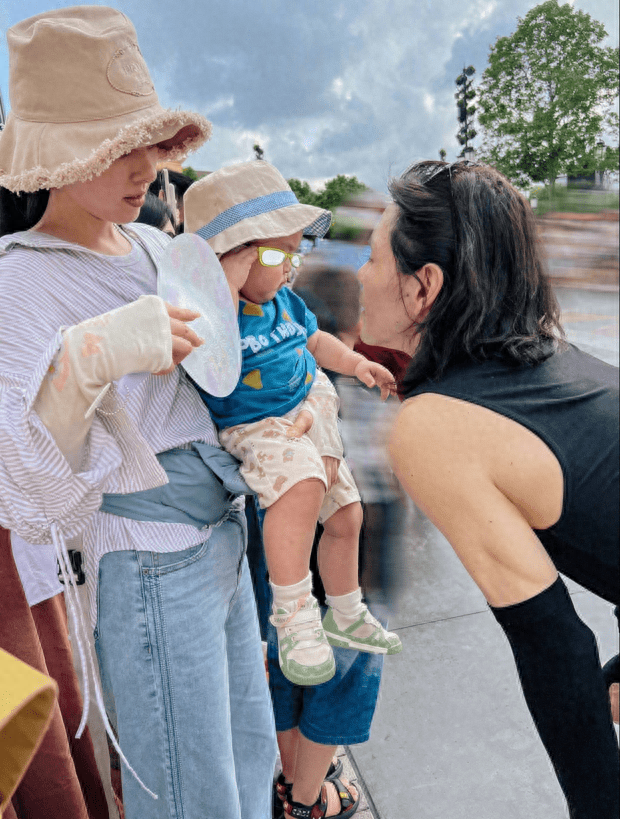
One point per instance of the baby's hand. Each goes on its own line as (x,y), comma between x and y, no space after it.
(375,375)
(300,425)
(236,265)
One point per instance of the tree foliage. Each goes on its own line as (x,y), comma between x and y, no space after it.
(258,151)
(335,192)
(190,173)
(547,96)
(302,191)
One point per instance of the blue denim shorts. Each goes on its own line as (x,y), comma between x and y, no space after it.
(338,712)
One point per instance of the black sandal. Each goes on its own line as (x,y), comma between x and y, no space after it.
(283,790)
(348,805)
(334,771)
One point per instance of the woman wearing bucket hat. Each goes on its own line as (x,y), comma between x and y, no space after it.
(79,316)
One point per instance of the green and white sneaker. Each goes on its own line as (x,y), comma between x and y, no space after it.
(365,634)
(305,655)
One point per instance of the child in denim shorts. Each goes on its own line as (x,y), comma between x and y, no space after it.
(281,419)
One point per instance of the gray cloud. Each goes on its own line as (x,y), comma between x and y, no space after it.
(325,86)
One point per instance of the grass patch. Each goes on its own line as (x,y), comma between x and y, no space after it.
(574,200)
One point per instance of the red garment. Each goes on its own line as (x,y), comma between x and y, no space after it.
(62,781)
(394,360)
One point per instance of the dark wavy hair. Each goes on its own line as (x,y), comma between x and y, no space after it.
(21,211)
(496,300)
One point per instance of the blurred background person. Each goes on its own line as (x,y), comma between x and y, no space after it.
(333,294)
(180,182)
(156,212)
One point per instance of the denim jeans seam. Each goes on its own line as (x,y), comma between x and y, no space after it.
(142,573)
(240,520)
(167,693)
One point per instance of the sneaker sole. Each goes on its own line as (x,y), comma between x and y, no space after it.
(345,642)
(304,681)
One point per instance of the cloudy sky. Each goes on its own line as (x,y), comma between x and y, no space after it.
(361,87)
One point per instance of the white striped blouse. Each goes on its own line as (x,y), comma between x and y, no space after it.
(47,284)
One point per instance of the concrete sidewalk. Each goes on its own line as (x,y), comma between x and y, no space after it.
(452,737)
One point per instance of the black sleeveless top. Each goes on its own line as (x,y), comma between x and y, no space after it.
(570,401)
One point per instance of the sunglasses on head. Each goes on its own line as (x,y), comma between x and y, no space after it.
(272,257)
(431,170)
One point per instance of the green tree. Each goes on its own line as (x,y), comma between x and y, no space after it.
(466,110)
(190,173)
(547,96)
(258,151)
(442,154)
(335,192)
(302,191)
(338,190)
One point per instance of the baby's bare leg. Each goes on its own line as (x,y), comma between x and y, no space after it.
(288,531)
(348,623)
(339,550)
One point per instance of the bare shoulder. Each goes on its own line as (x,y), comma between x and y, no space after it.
(445,447)
(435,435)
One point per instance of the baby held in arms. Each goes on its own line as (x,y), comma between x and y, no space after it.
(281,419)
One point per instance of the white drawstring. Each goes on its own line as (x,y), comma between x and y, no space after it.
(67,577)
(86,659)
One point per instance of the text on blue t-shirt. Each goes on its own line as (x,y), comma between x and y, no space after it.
(277,369)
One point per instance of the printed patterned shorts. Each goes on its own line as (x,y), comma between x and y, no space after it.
(271,463)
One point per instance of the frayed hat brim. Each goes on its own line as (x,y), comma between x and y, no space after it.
(35,156)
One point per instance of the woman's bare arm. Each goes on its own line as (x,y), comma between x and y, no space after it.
(439,450)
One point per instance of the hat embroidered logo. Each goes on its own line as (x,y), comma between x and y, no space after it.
(127,72)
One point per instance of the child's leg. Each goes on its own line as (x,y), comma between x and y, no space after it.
(306,764)
(339,549)
(288,531)
(348,623)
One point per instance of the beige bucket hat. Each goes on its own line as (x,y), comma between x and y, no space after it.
(245,202)
(81,97)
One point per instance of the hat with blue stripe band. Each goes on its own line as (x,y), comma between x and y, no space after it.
(248,202)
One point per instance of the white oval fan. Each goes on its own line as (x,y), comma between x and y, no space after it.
(190,275)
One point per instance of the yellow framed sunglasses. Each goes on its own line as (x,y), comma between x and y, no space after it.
(272,257)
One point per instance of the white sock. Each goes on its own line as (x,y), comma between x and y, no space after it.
(347,609)
(349,604)
(283,596)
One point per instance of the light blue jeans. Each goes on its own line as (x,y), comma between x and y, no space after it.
(182,669)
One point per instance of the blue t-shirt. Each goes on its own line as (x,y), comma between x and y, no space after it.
(277,369)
